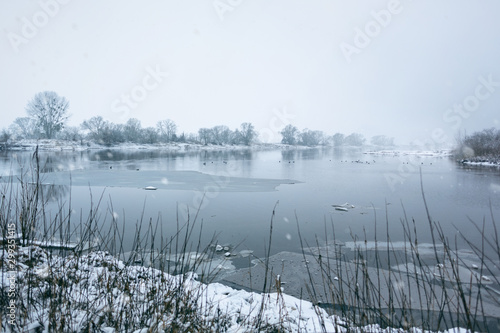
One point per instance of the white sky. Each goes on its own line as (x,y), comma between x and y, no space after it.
(257,59)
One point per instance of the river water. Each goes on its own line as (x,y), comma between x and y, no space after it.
(234,192)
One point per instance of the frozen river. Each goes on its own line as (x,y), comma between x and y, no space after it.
(240,188)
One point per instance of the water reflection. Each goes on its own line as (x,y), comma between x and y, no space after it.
(453,193)
(321,153)
(54,193)
(288,156)
(12,162)
(310,154)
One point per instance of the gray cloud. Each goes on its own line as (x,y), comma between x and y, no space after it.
(260,56)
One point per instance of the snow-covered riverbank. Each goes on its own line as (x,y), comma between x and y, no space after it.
(419,153)
(489,161)
(96,291)
(63,145)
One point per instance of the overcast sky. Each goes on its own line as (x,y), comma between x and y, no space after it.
(408,69)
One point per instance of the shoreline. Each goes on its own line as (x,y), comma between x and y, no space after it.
(55,145)
(488,161)
(288,291)
(62,145)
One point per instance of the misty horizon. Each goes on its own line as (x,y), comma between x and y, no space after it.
(371,68)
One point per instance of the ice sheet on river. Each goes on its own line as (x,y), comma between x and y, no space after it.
(332,280)
(165,180)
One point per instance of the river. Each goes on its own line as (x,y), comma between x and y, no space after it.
(233,193)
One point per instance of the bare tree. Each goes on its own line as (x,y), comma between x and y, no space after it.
(5,137)
(189,137)
(24,127)
(167,129)
(70,133)
(205,135)
(112,134)
(355,139)
(221,135)
(289,134)
(50,112)
(484,143)
(132,130)
(311,138)
(247,133)
(95,126)
(338,139)
(149,135)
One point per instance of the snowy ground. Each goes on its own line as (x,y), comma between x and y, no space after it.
(489,161)
(421,153)
(97,292)
(63,145)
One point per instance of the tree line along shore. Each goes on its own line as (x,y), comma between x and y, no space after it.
(47,117)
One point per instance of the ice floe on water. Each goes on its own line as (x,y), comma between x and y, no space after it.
(331,278)
(423,248)
(98,292)
(344,207)
(446,272)
(245,253)
(153,180)
(213,263)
